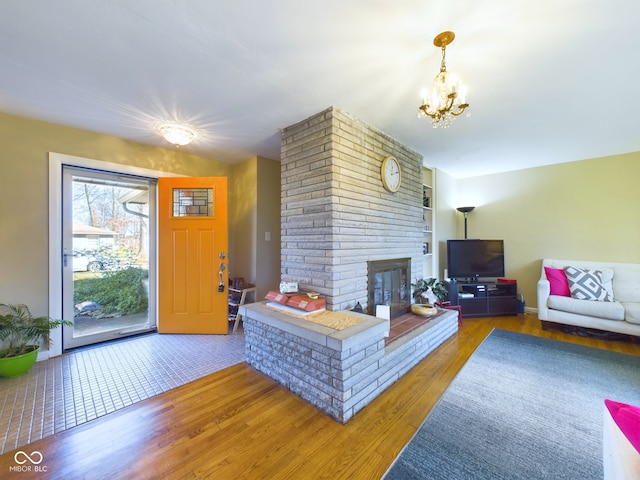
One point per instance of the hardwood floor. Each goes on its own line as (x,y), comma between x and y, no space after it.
(239,424)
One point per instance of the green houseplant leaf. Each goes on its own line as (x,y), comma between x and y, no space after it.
(19,330)
(422,286)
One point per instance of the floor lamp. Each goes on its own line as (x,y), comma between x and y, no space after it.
(466,211)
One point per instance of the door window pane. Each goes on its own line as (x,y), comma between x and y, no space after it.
(193,202)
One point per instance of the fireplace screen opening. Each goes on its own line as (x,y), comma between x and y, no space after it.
(390,284)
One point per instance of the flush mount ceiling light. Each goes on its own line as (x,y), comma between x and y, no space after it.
(447,98)
(177,134)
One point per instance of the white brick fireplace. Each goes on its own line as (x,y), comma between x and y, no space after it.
(335,214)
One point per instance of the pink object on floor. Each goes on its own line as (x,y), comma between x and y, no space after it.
(621,441)
(627,417)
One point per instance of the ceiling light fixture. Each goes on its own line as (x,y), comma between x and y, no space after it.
(177,134)
(447,98)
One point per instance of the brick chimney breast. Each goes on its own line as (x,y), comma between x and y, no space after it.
(335,213)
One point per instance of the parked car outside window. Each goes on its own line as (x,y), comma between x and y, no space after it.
(85,263)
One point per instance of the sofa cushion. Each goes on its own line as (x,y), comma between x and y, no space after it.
(608,310)
(557,281)
(627,283)
(586,284)
(632,312)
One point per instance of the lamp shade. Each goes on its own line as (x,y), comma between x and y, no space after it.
(465,209)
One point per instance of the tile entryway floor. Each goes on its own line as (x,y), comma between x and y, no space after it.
(84,384)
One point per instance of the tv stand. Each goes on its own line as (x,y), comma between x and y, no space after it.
(484,299)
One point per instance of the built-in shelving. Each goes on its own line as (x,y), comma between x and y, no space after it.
(429,221)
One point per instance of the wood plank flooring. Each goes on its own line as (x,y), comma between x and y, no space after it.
(239,424)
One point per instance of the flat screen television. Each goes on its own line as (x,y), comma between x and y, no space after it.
(475,259)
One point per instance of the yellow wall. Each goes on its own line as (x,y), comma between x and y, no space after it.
(584,210)
(243,214)
(255,211)
(446,202)
(24,148)
(268,220)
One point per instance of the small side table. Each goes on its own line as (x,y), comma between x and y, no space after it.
(235,304)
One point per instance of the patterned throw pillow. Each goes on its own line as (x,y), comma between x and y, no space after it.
(586,284)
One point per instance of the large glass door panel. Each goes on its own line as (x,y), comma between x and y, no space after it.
(108,229)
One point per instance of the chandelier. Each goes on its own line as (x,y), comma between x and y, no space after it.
(177,134)
(447,98)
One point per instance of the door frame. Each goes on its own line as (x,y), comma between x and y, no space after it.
(56,162)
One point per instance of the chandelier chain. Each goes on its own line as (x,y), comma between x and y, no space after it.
(443,66)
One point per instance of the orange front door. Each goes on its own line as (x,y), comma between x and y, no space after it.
(192,255)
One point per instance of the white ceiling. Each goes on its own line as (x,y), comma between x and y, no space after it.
(549,81)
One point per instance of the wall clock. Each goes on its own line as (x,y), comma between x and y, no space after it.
(391,174)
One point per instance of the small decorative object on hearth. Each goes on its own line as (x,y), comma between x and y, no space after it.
(423,309)
(288,287)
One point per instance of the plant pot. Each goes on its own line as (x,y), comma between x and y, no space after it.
(15,366)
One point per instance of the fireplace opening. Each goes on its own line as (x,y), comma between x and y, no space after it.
(389,284)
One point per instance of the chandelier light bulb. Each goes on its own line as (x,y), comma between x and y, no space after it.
(177,134)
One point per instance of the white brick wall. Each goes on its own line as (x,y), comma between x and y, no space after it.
(335,213)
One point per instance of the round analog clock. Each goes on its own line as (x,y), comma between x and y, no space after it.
(391,174)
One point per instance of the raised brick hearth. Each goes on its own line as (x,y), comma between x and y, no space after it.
(339,372)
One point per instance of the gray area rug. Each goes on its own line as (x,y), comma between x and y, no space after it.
(522,407)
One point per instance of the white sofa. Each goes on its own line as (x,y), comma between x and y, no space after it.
(622,315)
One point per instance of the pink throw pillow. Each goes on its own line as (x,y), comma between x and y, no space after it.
(627,418)
(558,280)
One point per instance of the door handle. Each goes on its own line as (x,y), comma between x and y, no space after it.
(222,256)
(221,284)
(64,257)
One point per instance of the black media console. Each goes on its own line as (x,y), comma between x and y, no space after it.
(484,299)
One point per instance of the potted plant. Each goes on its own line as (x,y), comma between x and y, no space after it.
(20,337)
(421,289)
